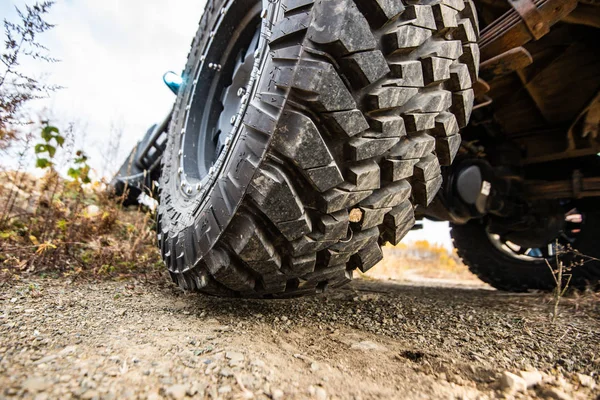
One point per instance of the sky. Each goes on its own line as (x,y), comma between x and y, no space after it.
(113,54)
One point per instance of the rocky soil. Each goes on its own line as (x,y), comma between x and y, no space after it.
(372,339)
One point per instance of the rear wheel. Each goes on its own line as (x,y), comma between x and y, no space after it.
(304,136)
(509,266)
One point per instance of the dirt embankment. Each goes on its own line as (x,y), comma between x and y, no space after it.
(369,340)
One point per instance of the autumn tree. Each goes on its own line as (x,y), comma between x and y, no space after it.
(17,87)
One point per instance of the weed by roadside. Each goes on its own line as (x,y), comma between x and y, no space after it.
(70,226)
(567,258)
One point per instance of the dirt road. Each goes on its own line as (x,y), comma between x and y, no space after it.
(370,340)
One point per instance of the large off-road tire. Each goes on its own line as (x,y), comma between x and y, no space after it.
(354,107)
(504,271)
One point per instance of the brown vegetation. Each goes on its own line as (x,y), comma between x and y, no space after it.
(61,227)
(420,260)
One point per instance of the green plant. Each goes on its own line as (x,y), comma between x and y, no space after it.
(80,172)
(45,151)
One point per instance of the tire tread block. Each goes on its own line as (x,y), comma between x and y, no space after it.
(398,222)
(366,258)
(321,79)
(425,191)
(227,272)
(379,12)
(347,123)
(415,146)
(340,25)
(446,148)
(366,68)
(405,38)
(275,195)
(427,168)
(365,175)
(289,26)
(298,138)
(388,196)
(362,148)
(372,217)
(395,170)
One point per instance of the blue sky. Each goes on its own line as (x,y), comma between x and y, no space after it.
(113,54)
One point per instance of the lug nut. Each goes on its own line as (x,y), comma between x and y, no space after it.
(232,120)
(241,91)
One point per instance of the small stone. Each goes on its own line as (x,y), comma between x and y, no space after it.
(234,356)
(226,372)
(586,381)
(224,389)
(46,359)
(35,385)
(258,363)
(68,350)
(314,366)
(90,394)
(277,394)
(532,378)
(512,383)
(176,392)
(556,394)
(320,393)
(355,215)
(367,345)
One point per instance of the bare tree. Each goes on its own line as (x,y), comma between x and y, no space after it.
(16,87)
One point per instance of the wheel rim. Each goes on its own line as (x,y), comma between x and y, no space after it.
(215,106)
(567,237)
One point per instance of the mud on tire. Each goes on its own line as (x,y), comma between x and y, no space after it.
(357,106)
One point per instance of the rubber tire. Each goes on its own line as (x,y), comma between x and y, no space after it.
(364,104)
(508,273)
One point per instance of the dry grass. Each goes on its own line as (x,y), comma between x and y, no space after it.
(62,228)
(420,260)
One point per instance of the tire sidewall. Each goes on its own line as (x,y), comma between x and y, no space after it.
(181,214)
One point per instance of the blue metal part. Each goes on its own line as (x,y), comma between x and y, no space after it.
(173,81)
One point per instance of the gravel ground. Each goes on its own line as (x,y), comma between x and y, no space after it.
(372,339)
